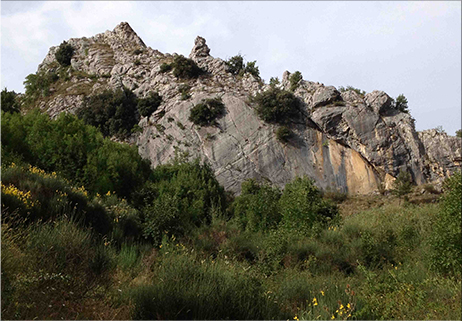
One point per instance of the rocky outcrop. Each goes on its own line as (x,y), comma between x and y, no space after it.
(343,141)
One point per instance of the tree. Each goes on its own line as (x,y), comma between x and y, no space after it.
(459,133)
(403,184)
(295,79)
(146,106)
(9,101)
(276,105)
(206,111)
(64,54)
(401,104)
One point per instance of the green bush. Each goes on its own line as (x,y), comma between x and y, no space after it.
(257,207)
(64,54)
(185,289)
(294,80)
(185,68)
(446,239)
(403,184)
(33,194)
(276,106)
(38,85)
(252,69)
(302,205)
(113,112)
(74,150)
(235,65)
(146,106)
(181,197)
(184,91)
(283,134)
(356,90)
(207,111)
(274,81)
(401,104)
(165,67)
(459,133)
(9,101)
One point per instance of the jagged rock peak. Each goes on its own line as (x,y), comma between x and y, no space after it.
(125,32)
(200,49)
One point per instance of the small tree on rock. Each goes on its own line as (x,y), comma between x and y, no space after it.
(64,54)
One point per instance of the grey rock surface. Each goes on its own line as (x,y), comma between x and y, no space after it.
(343,141)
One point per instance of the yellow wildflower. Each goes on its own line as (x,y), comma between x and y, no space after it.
(333,317)
(348,306)
(315,301)
(322,293)
(295,318)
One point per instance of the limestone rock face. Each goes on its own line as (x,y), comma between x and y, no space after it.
(342,140)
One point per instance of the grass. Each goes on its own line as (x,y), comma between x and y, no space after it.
(374,263)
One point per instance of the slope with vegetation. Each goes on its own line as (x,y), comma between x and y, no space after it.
(175,245)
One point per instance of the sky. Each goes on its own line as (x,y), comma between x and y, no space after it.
(400,47)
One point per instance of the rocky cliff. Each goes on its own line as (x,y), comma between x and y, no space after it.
(345,141)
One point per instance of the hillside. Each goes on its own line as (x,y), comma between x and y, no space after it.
(345,140)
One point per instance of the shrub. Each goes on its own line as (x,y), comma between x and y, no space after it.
(236,66)
(185,68)
(252,69)
(146,106)
(9,101)
(401,104)
(356,90)
(38,85)
(446,239)
(114,112)
(403,184)
(183,195)
(283,134)
(76,151)
(302,205)
(294,80)
(36,195)
(459,133)
(138,51)
(276,105)
(274,81)
(64,54)
(185,289)
(165,67)
(207,111)
(257,207)
(137,62)
(184,91)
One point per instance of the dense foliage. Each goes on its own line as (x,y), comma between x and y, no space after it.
(283,134)
(236,66)
(447,235)
(294,80)
(113,112)
(38,85)
(180,247)
(146,106)
(207,111)
(9,101)
(276,105)
(64,54)
(401,104)
(76,151)
(403,184)
(185,68)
